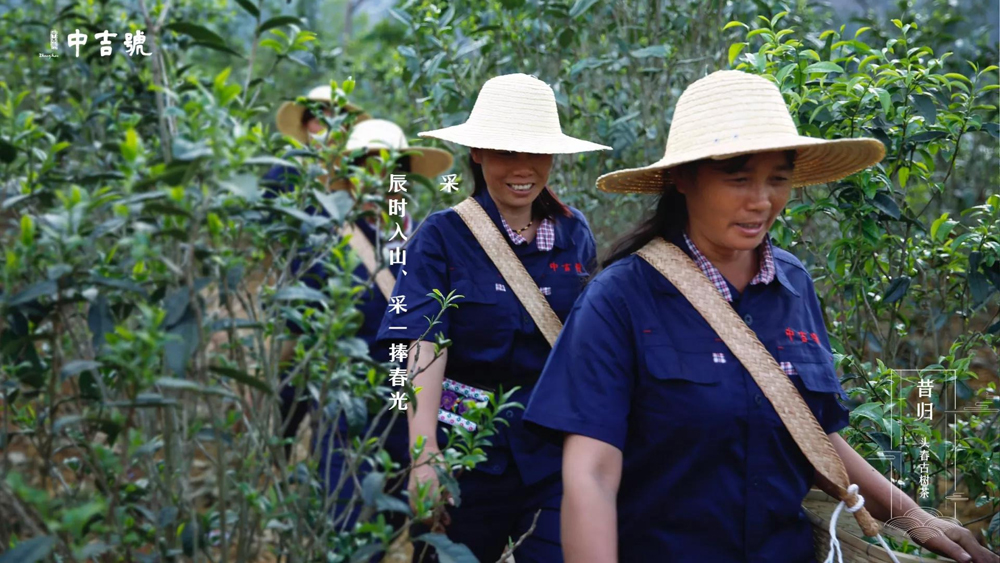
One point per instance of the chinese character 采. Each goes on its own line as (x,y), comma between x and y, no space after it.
(105,42)
(76,39)
(396,304)
(449,184)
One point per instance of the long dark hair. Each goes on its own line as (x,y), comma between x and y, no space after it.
(546,205)
(671,215)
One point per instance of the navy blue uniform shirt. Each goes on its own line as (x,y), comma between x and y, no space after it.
(494,339)
(709,472)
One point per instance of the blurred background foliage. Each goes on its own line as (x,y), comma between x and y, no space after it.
(137,245)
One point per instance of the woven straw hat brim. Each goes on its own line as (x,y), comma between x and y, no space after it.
(289,119)
(510,139)
(818,161)
(429,161)
(514,112)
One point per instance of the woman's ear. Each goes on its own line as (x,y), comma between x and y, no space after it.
(477,155)
(684,177)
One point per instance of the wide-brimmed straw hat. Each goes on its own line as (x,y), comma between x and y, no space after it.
(730,113)
(289,116)
(373,135)
(514,112)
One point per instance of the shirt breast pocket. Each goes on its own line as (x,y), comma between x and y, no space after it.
(678,382)
(813,373)
(478,314)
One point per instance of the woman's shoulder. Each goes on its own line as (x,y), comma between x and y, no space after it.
(441,220)
(438,228)
(792,267)
(576,218)
(787,258)
(619,281)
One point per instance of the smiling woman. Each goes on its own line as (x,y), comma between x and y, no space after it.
(513,133)
(516,178)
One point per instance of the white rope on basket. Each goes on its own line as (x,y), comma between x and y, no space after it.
(835,543)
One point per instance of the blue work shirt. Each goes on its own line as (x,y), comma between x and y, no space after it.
(372,304)
(494,339)
(709,472)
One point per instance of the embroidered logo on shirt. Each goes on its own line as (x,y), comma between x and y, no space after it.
(566,267)
(801,335)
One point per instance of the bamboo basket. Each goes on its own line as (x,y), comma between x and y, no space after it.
(819,507)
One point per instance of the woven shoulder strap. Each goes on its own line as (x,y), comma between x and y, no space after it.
(684,274)
(363,247)
(510,267)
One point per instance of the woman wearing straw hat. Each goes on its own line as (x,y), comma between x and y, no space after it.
(513,132)
(673,452)
(298,122)
(366,139)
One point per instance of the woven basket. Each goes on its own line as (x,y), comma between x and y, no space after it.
(819,507)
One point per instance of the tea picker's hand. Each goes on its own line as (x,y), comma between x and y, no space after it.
(422,473)
(957,542)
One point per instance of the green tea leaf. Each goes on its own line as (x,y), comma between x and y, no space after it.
(278,22)
(823,67)
(734,51)
(580,7)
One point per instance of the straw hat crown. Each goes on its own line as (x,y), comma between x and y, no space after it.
(514,112)
(376,134)
(730,113)
(752,107)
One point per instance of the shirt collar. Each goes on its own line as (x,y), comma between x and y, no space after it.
(769,269)
(544,236)
(561,239)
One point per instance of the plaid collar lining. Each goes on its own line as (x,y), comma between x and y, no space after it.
(765,275)
(545,237)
